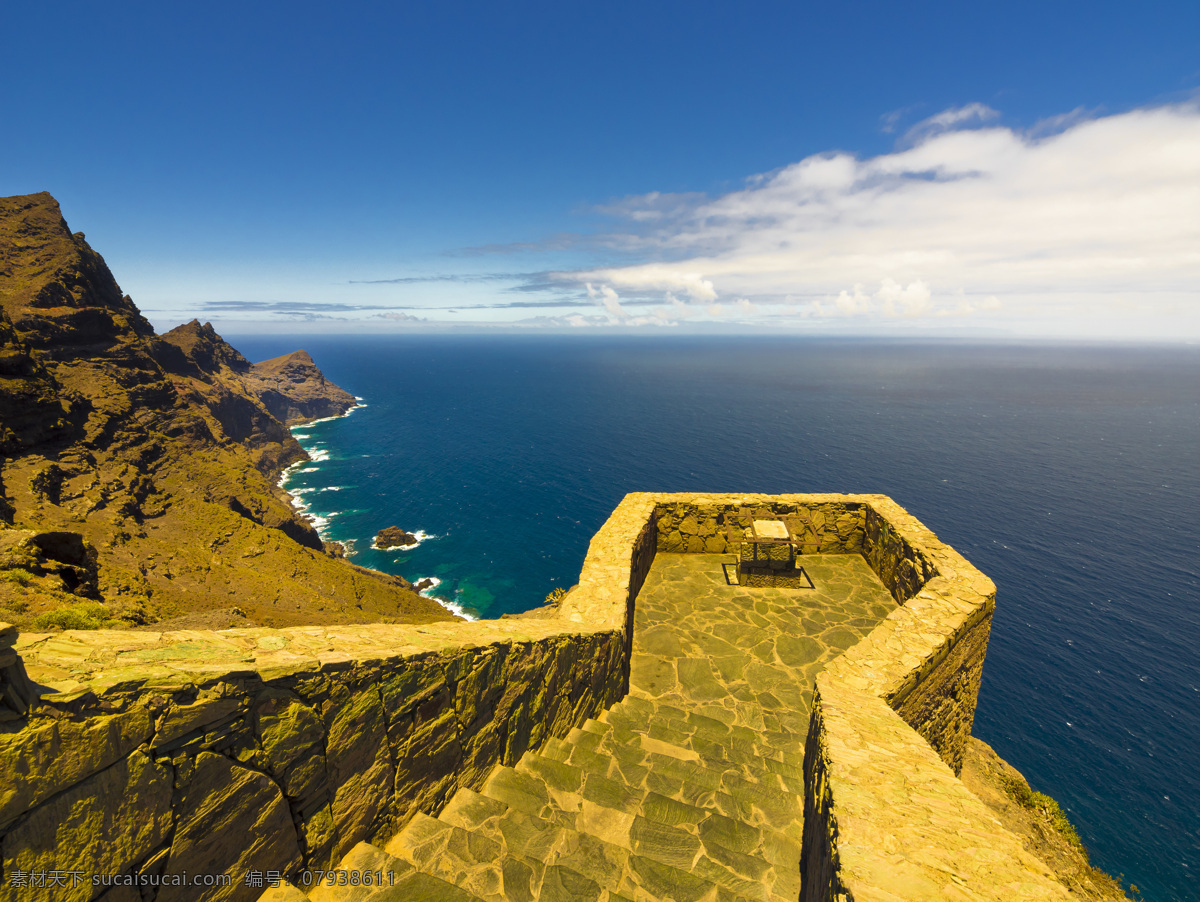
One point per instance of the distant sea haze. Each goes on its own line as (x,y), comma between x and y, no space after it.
(1069,475)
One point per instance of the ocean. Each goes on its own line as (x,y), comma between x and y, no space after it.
(1068,474)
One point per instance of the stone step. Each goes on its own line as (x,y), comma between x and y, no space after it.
(530,836)
(770,743)
(740,760)
(717,720)
(656,717)
(636,876)
(748,801)
(736,755)
(719,803)
(730,851)
(628,758)
(384,870)
(782,729)
(710,823)
(485,868)
(600,767)
(662,862)
(723,811)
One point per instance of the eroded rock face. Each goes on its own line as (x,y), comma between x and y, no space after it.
(50,564)
(32,408)
(212,373)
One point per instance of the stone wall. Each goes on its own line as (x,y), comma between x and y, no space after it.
(902,567)
(714,524)
(276,749)
(885,814)
(259,766)
(222,752)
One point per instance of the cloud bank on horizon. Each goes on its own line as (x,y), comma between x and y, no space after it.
(1079,227)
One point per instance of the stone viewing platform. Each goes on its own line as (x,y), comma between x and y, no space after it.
(664,733)
(748,657)
(692,786)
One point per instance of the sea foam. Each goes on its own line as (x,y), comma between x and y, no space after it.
(452,606)
(316,455)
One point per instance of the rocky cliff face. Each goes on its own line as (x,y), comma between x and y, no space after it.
(295,391)
(159,455)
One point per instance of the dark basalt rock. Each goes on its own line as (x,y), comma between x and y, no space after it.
(394,537)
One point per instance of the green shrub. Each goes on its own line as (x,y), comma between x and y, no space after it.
(89,615)
(17,576)
(1024,796)
(555,596)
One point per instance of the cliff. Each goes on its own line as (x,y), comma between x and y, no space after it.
(295,391)
(139,471)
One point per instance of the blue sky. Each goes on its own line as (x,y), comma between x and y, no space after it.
(985,169)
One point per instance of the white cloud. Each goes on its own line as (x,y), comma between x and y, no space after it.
(890,120)
(658,276)
(676,309)
(955,117)
(1039,235)
(911,300)
(399,317)
(850,304)
(608,299)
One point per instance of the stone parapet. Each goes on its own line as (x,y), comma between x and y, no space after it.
(340,737)
(885,816)
(261,749)
(280,749)
(886,819)
(693,523)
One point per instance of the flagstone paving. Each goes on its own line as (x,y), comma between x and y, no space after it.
(748,656)
(691,788)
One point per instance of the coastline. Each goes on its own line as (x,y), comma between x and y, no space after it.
(296,498)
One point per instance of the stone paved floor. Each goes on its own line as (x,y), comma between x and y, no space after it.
(747,656)
(691,789)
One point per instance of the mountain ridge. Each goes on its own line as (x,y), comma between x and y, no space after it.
(160,453)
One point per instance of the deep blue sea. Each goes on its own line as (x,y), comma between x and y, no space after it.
(1069,474)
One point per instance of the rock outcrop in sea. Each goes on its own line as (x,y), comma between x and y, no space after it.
(139,476)
(394,537)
